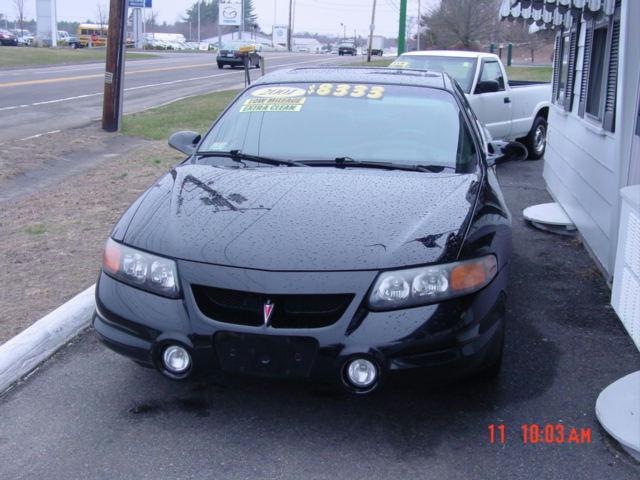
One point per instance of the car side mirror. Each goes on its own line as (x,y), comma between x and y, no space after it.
(487,86)
(185,142)
(501,152)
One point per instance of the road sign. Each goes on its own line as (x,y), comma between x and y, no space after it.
(280,34)
(140,3)
(230,12)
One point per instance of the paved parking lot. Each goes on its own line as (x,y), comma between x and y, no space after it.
(89,413)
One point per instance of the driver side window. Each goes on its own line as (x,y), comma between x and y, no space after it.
(491,72)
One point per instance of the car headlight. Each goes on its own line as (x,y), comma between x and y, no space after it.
(141,269)
(435,283)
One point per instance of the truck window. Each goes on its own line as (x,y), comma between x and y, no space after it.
(491,71)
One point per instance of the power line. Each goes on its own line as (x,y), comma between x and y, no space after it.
(393,5)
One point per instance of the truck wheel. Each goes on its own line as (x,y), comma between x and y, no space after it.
(536,140)
(220,65)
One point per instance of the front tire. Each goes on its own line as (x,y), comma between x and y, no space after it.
(536,140)
(220,65)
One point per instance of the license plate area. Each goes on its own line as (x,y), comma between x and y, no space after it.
(265,355)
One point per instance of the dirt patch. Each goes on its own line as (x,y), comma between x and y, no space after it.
(51,241)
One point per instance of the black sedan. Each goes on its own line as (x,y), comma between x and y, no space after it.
(235,54)
(7,38)
(333,224)
(347,49)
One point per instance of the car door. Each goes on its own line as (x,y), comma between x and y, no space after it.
(493,108)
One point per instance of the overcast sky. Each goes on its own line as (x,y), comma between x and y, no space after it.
(322,16)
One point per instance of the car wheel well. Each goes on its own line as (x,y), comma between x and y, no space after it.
(543,112)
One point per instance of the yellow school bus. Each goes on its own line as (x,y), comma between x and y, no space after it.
(93,34)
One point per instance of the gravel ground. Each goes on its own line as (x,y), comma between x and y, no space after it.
(51,240)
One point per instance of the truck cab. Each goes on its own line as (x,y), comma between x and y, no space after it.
(509,110)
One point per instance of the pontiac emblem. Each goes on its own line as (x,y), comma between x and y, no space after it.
(267,310)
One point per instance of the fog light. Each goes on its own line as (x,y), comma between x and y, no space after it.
(176,359)
(362,373)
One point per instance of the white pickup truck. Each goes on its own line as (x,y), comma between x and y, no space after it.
(510,110)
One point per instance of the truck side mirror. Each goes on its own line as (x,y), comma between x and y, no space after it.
(487,86)
(500,152)
(185,142)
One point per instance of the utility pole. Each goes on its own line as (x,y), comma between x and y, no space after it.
(402,29)
(289,35)
(275,22)
(419,31)
(371,29)
(114,71)
(199,2)
(242,19)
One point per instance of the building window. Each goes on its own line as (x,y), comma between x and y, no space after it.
(599,83)
(563,66)
(596,72)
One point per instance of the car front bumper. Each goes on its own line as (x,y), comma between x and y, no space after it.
(443,340)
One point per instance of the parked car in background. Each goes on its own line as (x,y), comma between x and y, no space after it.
(74,42)
(7,38)
(63,36)
(398,259)
(231,54)
(347,48)
(509,109)
(25,37)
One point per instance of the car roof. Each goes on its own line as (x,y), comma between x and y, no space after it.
(451,53)
(384,75)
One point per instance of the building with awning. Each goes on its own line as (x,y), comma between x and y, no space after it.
(592,162)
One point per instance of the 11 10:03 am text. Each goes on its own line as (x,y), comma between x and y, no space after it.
(550,433)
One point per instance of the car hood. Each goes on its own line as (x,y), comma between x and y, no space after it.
(302,218)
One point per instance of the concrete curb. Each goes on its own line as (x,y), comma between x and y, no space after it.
(24,352)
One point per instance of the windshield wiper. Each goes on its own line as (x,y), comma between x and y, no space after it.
(238,156)
(343,162)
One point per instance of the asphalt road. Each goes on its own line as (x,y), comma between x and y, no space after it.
(89,413)
(38,100)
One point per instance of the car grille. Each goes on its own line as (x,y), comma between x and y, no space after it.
(289,311)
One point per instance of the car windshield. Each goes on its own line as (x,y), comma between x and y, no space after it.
(364,122)
(234,45)
(461,69)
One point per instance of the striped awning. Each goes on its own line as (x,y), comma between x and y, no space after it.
(555,12)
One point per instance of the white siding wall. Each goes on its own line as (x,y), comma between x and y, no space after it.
(580,171)
(628,96)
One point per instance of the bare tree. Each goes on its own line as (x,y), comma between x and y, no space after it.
(152,19)
(101,11)
(519,34)
(462,23)
(19,4)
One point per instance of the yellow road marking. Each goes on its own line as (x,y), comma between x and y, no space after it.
(99,75)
